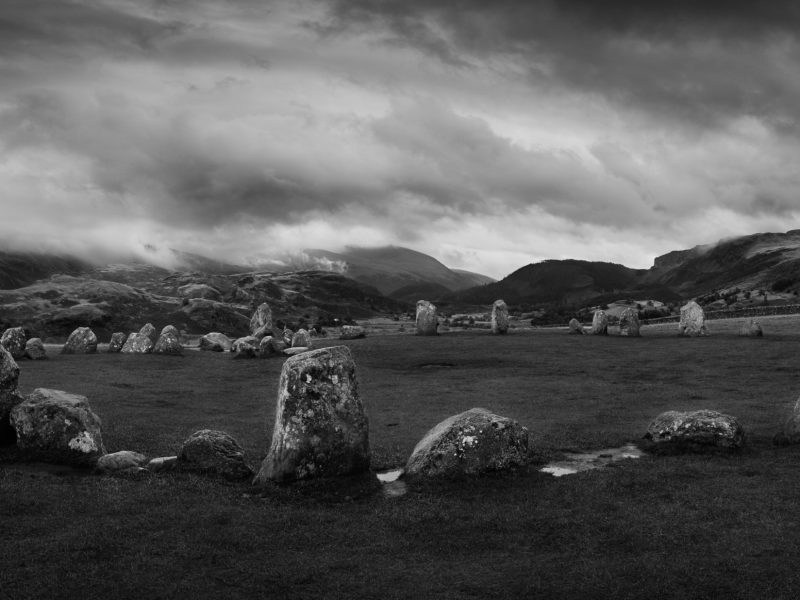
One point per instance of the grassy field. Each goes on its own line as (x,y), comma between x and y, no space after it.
(658,527)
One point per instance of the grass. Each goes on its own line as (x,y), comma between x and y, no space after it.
(666,527)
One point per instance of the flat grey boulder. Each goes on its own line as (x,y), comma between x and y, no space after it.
(124,461)
(262,318)
(13,340)
(695,431)
(352,332)
(58,427)
(321,428)
(80,341)
(137,343)
(629,323)
(473,442)
(599,323)
(751,328)
(693,320)
(212,451)
(168,343)
(35,350)
(575,327)
(215,342)
(499,317)
(427,322)
(245,347)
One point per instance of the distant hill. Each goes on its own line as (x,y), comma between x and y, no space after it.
(392,268)
(18,269)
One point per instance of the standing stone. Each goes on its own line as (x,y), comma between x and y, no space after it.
(262,332)
(81,341)
(352,332)
(271,346)
(13,340)
(575,327)
(168,343)
(287,335)
(149,330)
(599,323)
(629,323)
(321,429)
(689,431)
(427,321)
(34,349)
(171,329)
(215,342)
(693,320)
(55,426)
(473,442)
(212,451)
(117,342)
(261,318)
(138,343)
(9,398)
(301,339)
(751,328)
(245,347)
(499,317)
(790,432)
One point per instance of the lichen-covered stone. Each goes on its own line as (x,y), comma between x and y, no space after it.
(427,321)
(168,343)
(575,327)
(138,343)
(695,430)
(124,461)
(215,342)
(751,328)
(790,430)
(321,428)
(245,347)
(59,427)
(352,332)
(301,339)
(149,330)
(475,441)
(13,340)
(262,318)
(35,350)
(9,398)
(499,317)
(81,341)
(693,320)
(271,346)
(599,323)
(214,452)
(629,323)
(117,342)
(172,330)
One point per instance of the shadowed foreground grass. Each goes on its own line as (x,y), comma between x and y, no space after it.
(666,527)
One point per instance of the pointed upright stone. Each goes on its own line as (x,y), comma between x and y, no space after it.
(629,323)
(599,323)
(427,320)
(499,317)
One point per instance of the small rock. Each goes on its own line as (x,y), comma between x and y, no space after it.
(575,327)
(751,328)
(124,461)
(695,430)
(162,463)
(215,342)
(118,340)
(215,452)
(352,332)
(35,350)
(13,340)
(81,341)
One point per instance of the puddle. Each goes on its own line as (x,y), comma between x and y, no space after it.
(440,365)
(577,462)
(392,487)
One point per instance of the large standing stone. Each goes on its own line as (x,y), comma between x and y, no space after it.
(172,330)
(215,342)
(575,327)
(168,343)
(138,343)
(245,347)
(352,332)
(34,349)
(81,341)
(9,398)
(262,317)
(751,328)
(695,430)
(599,323)
(499,317)
(301,339)
(790,432)
(475,441)
(59,427)
(693,320)
(427,321)
(117,342)
(214,452)
(629,323)
(13,340)
(149,330)
(321,429)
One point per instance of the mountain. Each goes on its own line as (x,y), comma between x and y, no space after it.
(18,269)
(393,268)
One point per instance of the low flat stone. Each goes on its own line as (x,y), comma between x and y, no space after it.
(214,452)
(352,332)
(695,431)
(295,351)
(245,347)
(271,346)
(162,463)
(123,461)
(215,342)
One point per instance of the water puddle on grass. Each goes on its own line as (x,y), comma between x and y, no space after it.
(392,486)
(577,462)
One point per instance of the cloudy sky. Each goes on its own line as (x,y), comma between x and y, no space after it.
(487,134)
